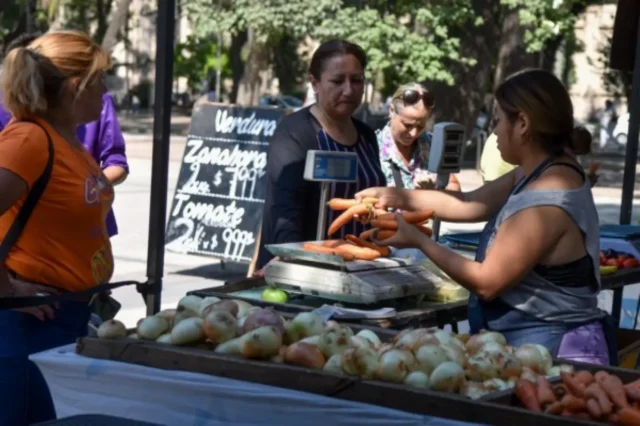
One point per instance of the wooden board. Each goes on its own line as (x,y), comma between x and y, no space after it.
(383,394)
(428,314)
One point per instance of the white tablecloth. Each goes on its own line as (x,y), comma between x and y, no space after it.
(81,385)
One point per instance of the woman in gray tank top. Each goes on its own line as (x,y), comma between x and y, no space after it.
(536,274)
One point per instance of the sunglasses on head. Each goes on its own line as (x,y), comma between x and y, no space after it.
(413,96)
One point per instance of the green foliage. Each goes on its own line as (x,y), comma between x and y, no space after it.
(617,83)
(547,20)
(196,59)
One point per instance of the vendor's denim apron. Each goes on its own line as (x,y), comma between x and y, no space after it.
(519,327)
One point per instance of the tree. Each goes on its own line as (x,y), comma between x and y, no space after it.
(196,59)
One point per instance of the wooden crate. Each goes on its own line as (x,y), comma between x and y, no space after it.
(318,382)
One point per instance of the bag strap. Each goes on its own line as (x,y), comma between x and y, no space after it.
(397,178)
(30,202)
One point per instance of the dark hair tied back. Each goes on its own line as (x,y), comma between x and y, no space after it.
(330,49)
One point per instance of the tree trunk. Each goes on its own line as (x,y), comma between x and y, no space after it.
(236,62)
(250,84)
(512,55)
(118,19)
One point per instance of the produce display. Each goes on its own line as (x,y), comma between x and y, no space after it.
(351,248)
(612,260)
(473,366)
(599,396)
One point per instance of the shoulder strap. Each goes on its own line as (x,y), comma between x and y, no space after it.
(30,202)
(395,171)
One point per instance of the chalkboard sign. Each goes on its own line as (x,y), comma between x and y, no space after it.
(217,206)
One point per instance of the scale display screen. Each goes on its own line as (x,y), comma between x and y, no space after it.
(326,166)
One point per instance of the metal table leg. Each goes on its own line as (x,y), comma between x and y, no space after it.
(616,307)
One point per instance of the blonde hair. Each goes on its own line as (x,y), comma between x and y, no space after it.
(545,100)
(33,77)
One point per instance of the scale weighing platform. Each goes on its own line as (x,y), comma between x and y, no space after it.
(357,282)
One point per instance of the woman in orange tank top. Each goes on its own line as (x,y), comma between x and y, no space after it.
(56,83)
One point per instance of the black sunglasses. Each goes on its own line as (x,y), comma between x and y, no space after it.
(412,97)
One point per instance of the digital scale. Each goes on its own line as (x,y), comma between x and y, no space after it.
(360,282)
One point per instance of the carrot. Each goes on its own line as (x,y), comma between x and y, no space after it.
(613,387)
(613,418)
(409,217)
(385,224)
(317,248)
(384,251)
(573,387)
(635,384)
(347,215)
(545,393)
(362,253)
(346,203)
(632,392)
(528,395)
(333,243)
(594,408)
(629,417)
(584,377)
(554,408)
(559,391)
(573,403)
(595,391)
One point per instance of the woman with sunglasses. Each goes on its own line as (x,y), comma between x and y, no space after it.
(336,73)
(404,142)
(536,275)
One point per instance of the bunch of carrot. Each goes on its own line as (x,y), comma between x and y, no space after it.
(351,248)
(384,224)
(583,395)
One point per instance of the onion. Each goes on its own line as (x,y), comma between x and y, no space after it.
(493,349)
(261,343)
(205,303)
(508,366)
(360,362)
(332,324)
(447,377)
(478,340)
(112,329)
(413,339)
(251,310)
(394,365)
(223,305)
(312,340)
(304,355)
(417,379)
(334,365)
(304,324)
(243,307)
(547,362)
(464,337)
(334,341)
(481,367)
(362,342)
(279,357)
(168,314)
(474,390)
(182,313)
(496,385)
(444,337)
(429,357)
(530,356)
(164,338)
(188,331)
(220,326)
(191,303)
(528,374)
(152,327)
(385,347)
(263,317)
(558,369)
(370,336)
(455,354)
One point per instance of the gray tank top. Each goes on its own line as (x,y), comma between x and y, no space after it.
(539,297)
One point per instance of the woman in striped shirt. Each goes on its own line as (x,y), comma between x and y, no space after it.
(291,207)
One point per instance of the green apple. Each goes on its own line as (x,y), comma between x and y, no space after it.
(275,295)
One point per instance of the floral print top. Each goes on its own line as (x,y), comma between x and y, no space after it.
(412,173)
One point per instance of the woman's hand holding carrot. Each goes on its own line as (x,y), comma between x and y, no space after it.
(406,235)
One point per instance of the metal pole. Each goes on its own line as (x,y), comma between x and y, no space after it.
(631,157)
(322,211)
(442,180)
(165,32)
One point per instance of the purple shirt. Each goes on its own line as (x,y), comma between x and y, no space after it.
(103,139)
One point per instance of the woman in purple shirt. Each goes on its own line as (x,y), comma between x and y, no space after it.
(102,138)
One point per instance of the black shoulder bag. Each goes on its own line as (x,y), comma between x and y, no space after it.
(106,308)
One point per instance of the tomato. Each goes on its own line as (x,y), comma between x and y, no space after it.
(275,295)
(612,262)
(631,263)
(623,257)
